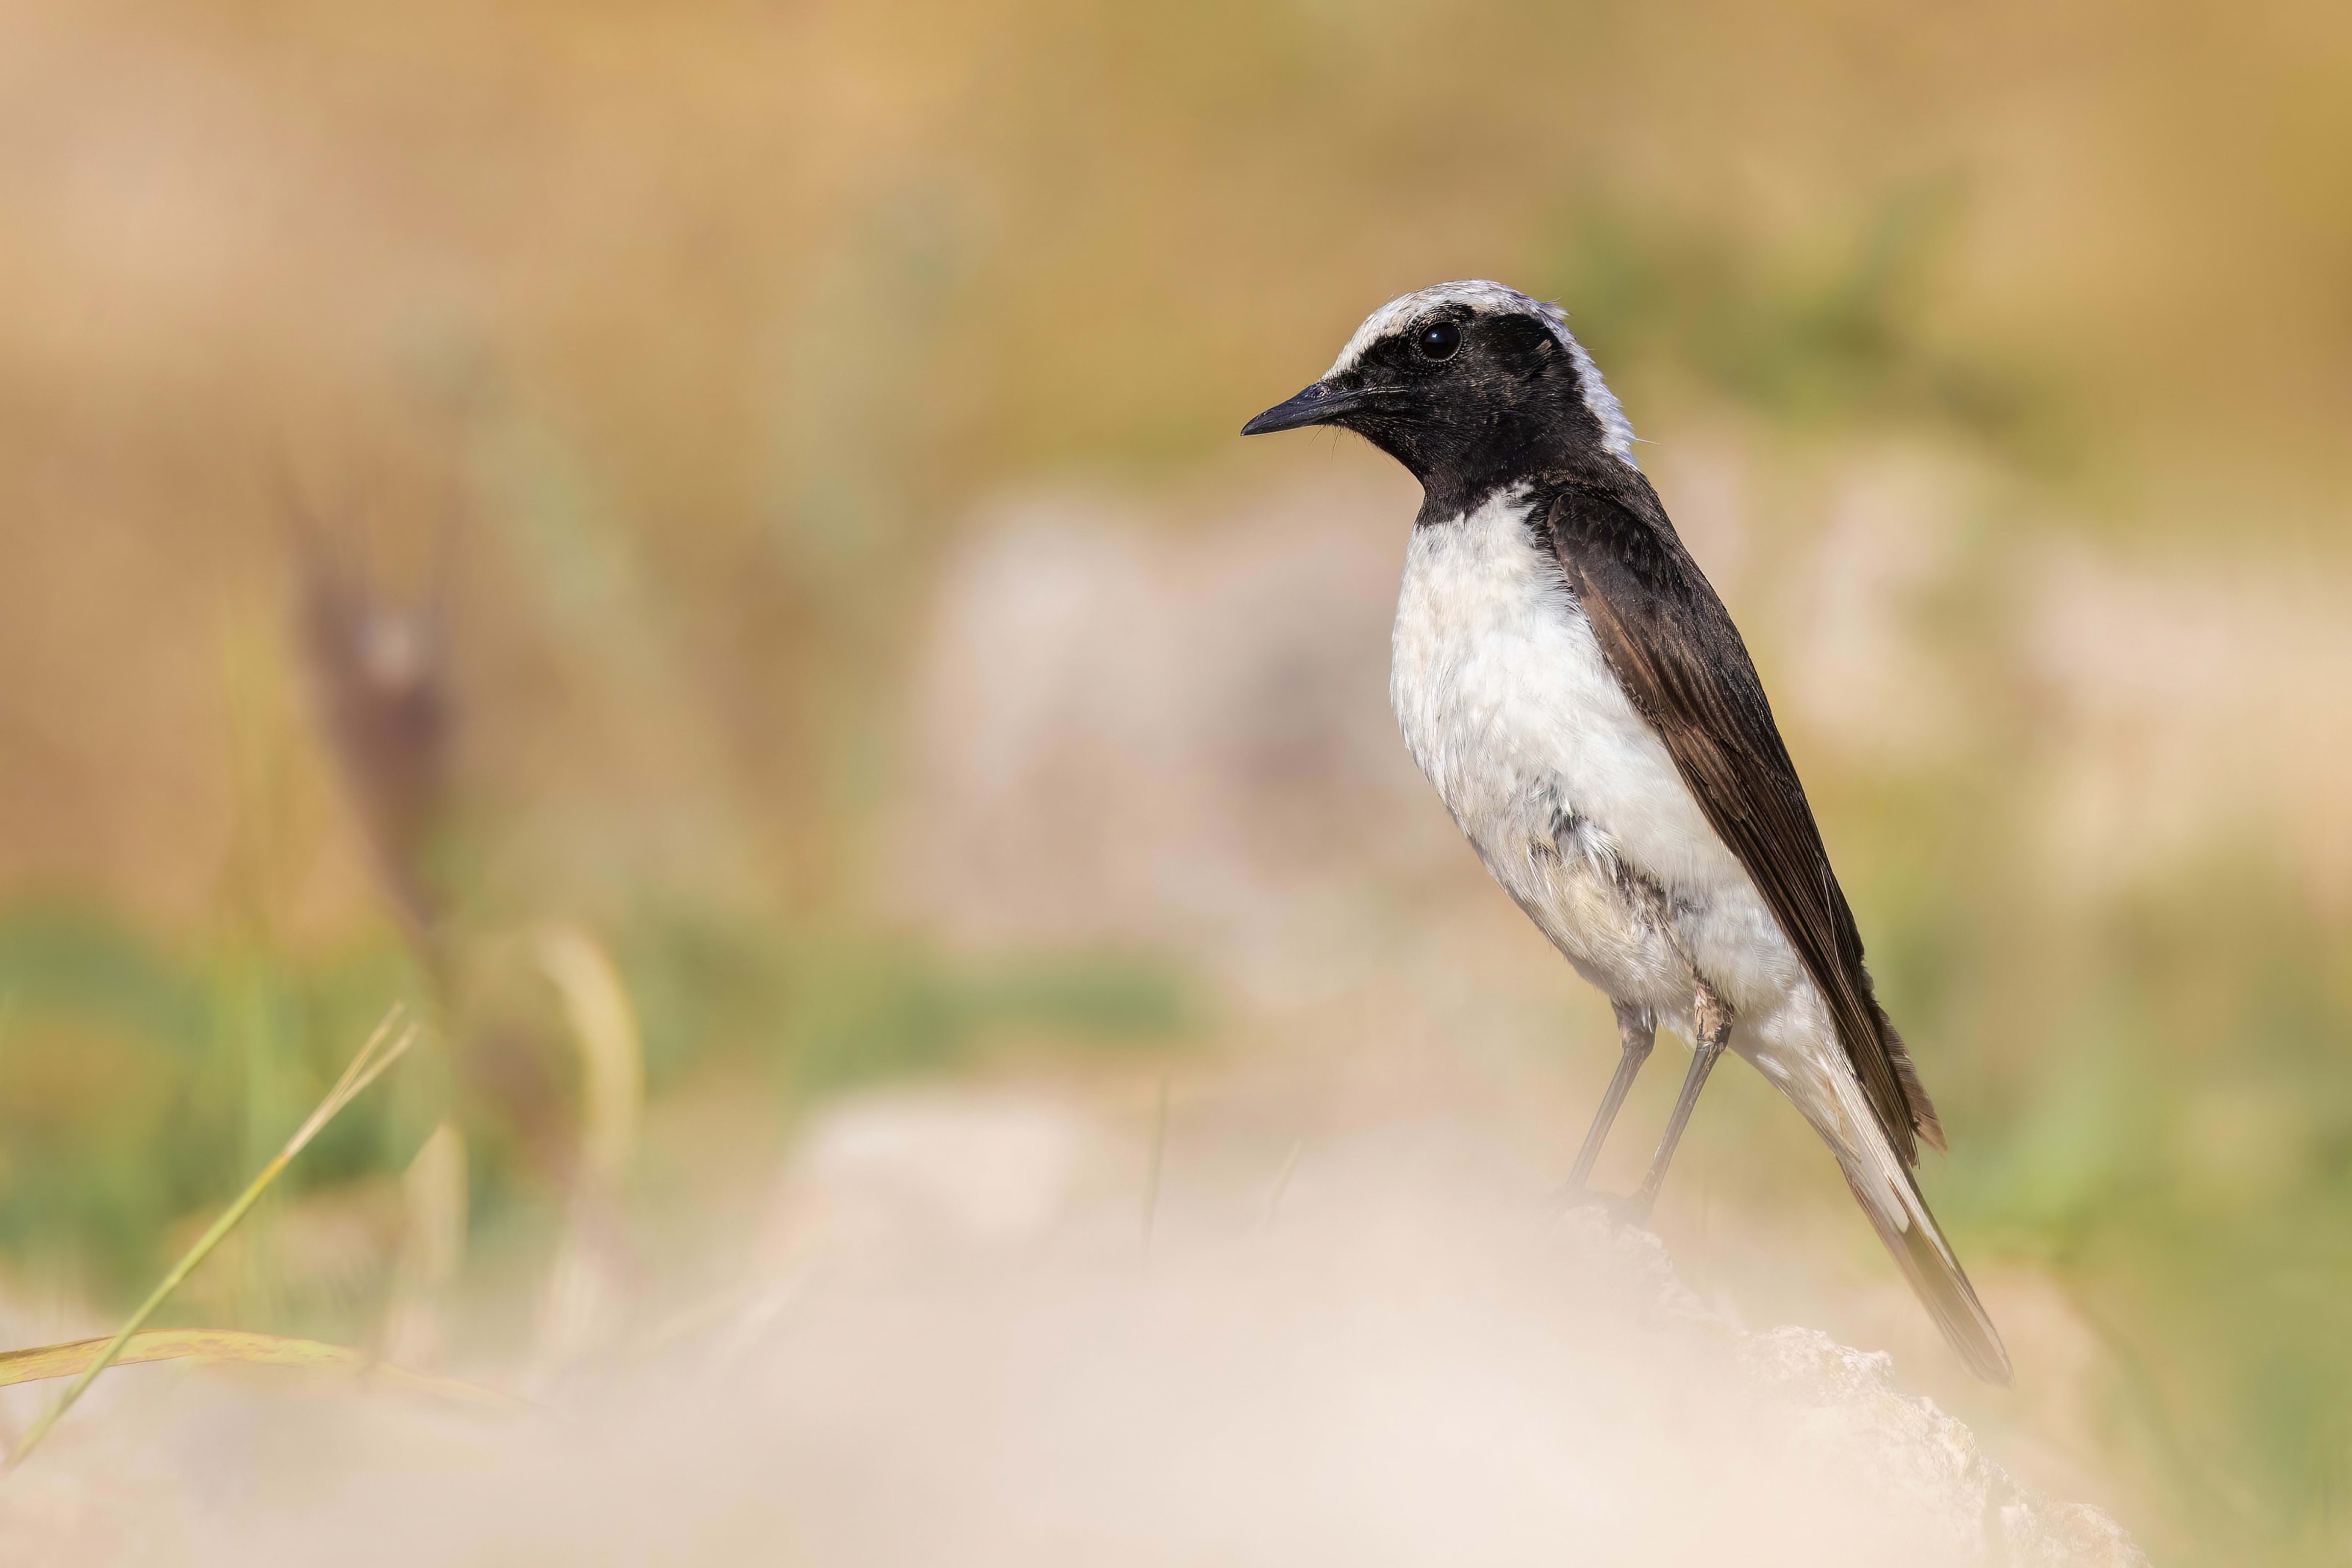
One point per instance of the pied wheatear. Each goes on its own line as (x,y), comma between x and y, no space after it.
(1570,682)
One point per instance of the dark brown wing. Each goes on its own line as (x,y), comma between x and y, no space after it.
(1674,650)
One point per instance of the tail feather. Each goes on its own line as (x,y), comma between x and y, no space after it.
(1923,1120)
(1938,1280)
(1889,1194)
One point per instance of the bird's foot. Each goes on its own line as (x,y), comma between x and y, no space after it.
(1623,1212)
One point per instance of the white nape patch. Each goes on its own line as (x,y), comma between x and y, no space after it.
(1616,433)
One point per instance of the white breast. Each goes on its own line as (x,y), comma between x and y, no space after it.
(1510,708)
(1511,711)
(1500,688)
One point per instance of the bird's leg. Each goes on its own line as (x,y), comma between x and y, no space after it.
(1712,1024)
(1637,1031)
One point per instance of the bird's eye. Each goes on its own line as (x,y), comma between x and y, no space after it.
(1439,340)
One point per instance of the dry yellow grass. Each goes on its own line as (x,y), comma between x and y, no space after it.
(241,1346)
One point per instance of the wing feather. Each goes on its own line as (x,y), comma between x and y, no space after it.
(1672,646)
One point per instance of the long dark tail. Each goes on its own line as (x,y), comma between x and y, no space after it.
(1884,1185)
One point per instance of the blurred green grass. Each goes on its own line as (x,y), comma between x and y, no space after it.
(134,1077)
(1833,331)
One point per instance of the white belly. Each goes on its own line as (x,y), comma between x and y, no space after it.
(1570,800)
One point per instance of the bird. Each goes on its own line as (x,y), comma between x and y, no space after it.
(1571,683)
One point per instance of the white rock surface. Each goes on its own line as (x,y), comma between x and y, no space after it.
(957,1348)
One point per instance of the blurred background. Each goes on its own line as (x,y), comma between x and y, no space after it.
(704,547)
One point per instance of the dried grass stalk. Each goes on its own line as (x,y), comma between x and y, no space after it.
(588,1289)
(255,1349)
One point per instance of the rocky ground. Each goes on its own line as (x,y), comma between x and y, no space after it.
(964,1338)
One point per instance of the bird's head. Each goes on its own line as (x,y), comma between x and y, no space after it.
(1467,384)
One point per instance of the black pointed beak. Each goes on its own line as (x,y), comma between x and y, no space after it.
(1318,404)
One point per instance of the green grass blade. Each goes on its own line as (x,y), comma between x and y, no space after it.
(382,1048)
